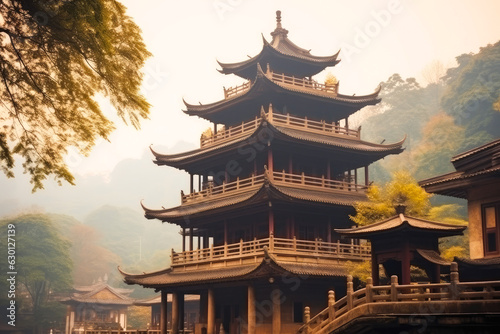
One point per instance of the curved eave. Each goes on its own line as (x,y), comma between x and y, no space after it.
(375,151)
(267,267)
(261,194)
(401,223)
(263,85)
(286,51)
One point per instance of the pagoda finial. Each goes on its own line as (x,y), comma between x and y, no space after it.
(279,29)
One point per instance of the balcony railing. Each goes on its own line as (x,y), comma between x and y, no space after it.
(300,83)
(287,121)
(253,251)
(301,181)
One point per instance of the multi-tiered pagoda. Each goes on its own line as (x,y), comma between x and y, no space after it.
(278,173)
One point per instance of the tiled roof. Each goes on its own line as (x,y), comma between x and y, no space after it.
(433,256)
(90,297)
(400,222)
(267,267)
(265,191)
(181,160)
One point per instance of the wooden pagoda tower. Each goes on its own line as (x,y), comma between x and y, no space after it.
(268,187)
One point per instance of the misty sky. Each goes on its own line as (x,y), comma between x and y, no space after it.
(376,38)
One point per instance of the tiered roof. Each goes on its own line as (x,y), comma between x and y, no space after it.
(267,266)
(284,56)
(308,98)
(354,152)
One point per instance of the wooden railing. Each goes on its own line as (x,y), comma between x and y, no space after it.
(329,319)
(254,250)
(233,91)
(280,178)
(302,83)
(287,121)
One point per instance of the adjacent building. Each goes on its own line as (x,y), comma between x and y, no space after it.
(280,170)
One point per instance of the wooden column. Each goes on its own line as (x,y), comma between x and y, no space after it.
(329,230)
(356,176)
(215,128)
(203,307)
(405,264)
(175,313)
(270,165)
(181,312)
(251,310)
(183,239)
(329,170)
(225,232)
(276,312)
(163,312)
(375,271)
(271,219)
(191,239)
(199,182)
(210,311)
(367,179)
(191,185)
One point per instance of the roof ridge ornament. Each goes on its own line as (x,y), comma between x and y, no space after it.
(279,28)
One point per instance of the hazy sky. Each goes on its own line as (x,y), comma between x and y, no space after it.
(376,38)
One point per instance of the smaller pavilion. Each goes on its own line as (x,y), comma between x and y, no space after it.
(97,307)
(400,241)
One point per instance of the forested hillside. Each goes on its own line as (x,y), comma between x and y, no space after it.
(459,111)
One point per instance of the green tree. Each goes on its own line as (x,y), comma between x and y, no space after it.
(56,57)
(43,267)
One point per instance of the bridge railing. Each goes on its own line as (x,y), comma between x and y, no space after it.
(454,290)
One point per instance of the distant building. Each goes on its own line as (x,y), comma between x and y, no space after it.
(278,173)
(97,306)
(476,179)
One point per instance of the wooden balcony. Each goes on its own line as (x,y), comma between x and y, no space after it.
(291,250)
(307,85)
(300,181)
(287,121)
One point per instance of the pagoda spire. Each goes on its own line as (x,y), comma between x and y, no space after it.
(279,29)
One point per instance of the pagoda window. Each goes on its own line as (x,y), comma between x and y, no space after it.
(491,229)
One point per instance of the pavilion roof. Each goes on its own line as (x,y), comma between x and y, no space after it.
(284,55)
(251,197)
(264,90)
(474,168)
(401,223)
(100,294)
(267,267)
(360,153)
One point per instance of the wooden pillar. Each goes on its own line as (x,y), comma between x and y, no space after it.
(183,239)
(215,128)
(199,182)
(405,264)
(375,271)
(437,273)
(271,219)
(347,122)
(191,243)
(329,230)
(203,307)
(251,317)
(276,311)
(367,179)
(181,312)
(329,170)
(210,311)
(163,312)
(270,165)
(191,185)
(225,232)
(175,313)
(356,176)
